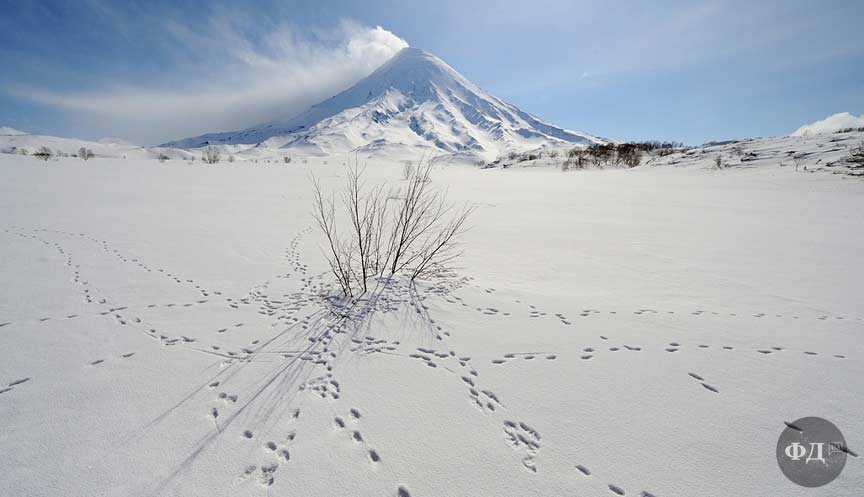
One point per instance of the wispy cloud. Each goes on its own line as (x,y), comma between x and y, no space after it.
(230,76)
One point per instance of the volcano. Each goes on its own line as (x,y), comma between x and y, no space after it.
(413,102)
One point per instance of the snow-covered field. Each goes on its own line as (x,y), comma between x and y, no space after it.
(164,332)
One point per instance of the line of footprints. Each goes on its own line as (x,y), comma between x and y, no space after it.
(535,312)
(351,427)
(13,384)
(278,453)
(615,489)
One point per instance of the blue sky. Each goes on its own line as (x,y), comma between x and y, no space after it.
(688,71)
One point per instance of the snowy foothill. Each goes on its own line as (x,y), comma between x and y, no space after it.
(840,152)
(171,328)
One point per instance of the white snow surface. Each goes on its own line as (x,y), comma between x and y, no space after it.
(414,101)
(831,124)
(645,330)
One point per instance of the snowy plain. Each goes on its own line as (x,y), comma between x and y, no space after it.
(610,332)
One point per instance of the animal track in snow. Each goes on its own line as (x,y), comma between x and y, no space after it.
(524,438)
(702,382)
(13,384)
(356,435)
(617,490)
(229,399)
(371,345)
(524,356)
(266,478)
(709,387)
(324,386)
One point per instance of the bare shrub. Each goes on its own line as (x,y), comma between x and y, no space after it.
(13,150)
(85,153)
(162,157)
(601,155)
(407,169)
(798,161)
(410,230)
(421,233)
(856,155)
(339,255)
(660,147)
(44,153)
(628,154)
(577,157)
(610,154)
(211,155)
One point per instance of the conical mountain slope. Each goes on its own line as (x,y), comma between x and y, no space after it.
(414,101)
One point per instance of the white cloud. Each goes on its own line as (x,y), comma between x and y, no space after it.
(7,131)
(239,82)
(831,124)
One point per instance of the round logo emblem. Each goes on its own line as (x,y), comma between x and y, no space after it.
(811,452)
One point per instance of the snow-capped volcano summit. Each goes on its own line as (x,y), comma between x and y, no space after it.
(413,101)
